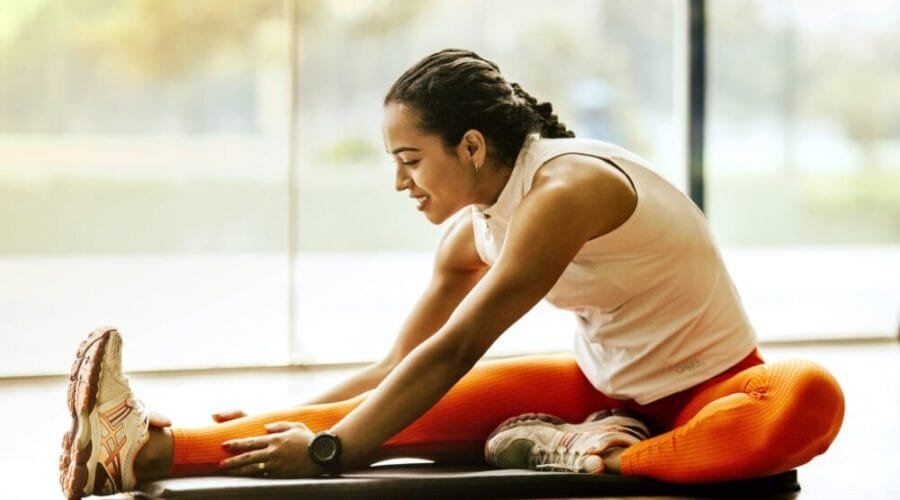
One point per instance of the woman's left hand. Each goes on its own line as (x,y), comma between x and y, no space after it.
(280,453)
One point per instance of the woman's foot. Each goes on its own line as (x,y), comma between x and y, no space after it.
(109,426)
(544,442)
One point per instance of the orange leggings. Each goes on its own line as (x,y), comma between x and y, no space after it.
(752,420)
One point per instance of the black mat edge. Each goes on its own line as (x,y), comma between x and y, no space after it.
(464,482)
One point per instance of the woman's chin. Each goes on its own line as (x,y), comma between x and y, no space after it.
(436,220)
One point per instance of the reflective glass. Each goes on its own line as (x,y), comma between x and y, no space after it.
(803,177)
(143,181)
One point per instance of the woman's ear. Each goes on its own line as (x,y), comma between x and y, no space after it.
(474,147)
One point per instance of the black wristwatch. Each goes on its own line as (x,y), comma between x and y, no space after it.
(325,450)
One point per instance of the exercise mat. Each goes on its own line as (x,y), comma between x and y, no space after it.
(433,481)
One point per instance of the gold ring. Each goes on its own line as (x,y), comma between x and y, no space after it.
(261,466)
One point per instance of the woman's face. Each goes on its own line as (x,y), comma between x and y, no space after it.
(437,179)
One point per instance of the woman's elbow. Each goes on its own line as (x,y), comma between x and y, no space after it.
(462,356)
(386,365)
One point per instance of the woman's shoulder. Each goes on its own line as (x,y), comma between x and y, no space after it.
(604,194)
(540,152)
(581,173)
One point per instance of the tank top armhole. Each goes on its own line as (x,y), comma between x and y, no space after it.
(476,235)
(529,178)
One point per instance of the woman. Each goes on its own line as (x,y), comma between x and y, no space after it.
(663,341)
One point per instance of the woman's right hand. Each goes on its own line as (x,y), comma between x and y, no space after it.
(225,416)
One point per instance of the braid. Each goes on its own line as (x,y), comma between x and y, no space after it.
(551,127)
(456,90)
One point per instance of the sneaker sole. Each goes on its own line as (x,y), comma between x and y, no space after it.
(82,396)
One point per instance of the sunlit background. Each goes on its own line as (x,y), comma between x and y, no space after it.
(209,176)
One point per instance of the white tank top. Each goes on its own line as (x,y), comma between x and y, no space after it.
(656,310)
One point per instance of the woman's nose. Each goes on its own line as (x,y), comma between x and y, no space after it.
(402,181)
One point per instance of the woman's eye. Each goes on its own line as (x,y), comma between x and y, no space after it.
(409,162)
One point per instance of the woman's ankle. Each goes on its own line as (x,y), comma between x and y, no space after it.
(154,461)
(612,463)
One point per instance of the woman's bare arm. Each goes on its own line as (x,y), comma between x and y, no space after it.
(552,223)
(457,269)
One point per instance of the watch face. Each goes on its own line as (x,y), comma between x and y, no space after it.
(324,447)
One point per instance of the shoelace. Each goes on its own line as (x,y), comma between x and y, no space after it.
(560,459)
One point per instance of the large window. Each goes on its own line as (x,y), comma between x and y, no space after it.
(145,166)
(143,181)
(210,176)
(804,162)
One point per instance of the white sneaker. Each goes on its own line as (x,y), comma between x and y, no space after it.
(539,441)
(109,426)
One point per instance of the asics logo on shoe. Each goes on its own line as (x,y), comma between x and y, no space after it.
(114,439)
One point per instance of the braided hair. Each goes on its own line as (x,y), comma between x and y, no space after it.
(456,90)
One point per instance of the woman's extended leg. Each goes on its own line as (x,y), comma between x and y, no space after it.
(766,419)
(457,425)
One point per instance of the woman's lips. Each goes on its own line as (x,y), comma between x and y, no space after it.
(421,201)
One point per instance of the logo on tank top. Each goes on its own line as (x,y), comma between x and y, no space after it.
(688,366)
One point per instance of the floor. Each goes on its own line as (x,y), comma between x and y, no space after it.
(862,463)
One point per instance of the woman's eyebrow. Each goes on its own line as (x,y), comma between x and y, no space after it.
(402,149)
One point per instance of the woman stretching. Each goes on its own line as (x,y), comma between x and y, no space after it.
(663,346)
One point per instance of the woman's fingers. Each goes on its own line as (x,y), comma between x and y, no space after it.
(247,470)
(284,426)
(245,463)
(225,416)
(246,444)
(284,453)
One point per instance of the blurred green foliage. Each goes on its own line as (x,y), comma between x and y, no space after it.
(349,151)
(854,197)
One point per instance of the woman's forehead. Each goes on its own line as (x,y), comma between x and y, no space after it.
(400,129)
(399,117)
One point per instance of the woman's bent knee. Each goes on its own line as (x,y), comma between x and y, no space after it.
(812,411)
